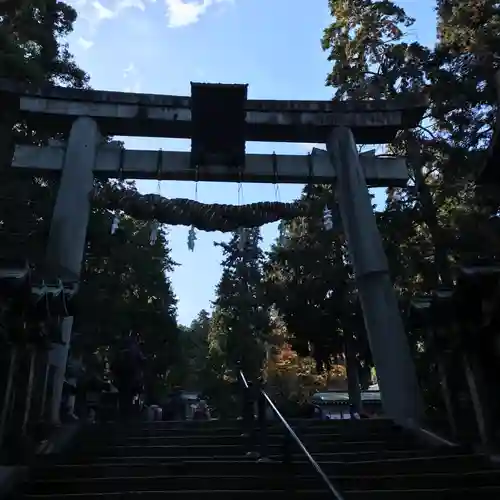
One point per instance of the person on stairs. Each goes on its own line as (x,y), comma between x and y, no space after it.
(127,371)
(202,411)
(178,405)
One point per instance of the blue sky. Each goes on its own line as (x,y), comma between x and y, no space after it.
(160,46)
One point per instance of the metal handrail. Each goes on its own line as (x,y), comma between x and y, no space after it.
(244,380)
(297,440)
(427,434)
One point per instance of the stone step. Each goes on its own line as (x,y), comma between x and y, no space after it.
(320,432)
(152,483)
(162,455)
(178,467)
(224,425)
(482,493)
(225,439)
(237,448)
(372,460)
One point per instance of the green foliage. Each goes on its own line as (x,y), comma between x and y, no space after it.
(124,284)
(439,219)
(192,366)
(240,322)
(33,47)
(309,282)
(32,51)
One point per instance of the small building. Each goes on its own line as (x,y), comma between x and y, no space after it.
(335,404)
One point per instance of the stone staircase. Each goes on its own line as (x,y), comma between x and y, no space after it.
(370,459)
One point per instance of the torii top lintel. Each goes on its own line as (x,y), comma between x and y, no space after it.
(151,115)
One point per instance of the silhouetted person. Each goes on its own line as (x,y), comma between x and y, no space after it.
(201,412)
(127,370)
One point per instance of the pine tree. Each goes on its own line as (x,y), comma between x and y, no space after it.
(128,292)
(309,282)
(240,322)
(367,44)
(192,367)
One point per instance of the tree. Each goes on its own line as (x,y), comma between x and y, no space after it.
(240,325)
(310,284)
(192,366)
(33,52)
(438,219)
(293,379)
(124,285)
(240,321)
(32,37)
(309,281)
(372,59)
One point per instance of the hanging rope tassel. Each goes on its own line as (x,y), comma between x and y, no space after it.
(242,242)
(327,219)
(153,235)
(115,224)
(282,236)
(191,238)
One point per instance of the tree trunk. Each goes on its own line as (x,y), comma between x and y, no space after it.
(445,389)
(22,378)
(7,399)
(29,390)
(476,388)
(6,129)
(443,269)
(42,385)
(353,385)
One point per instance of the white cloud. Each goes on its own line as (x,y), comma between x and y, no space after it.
(184,12)
(84,43)
(179,12)
(96,11)
(77,4)
(129,70)
(126,4)
(100,12)
(130,74)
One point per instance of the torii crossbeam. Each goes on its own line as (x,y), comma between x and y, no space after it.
(115,162)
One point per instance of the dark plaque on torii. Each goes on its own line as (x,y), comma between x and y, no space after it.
(218,124)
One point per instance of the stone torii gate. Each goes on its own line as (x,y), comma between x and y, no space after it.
(219,119)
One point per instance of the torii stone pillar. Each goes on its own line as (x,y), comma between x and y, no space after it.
(68,233)
(400,391)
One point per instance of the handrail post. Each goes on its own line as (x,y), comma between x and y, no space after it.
(263,435)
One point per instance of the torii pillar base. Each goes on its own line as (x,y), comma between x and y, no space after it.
(391,352)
